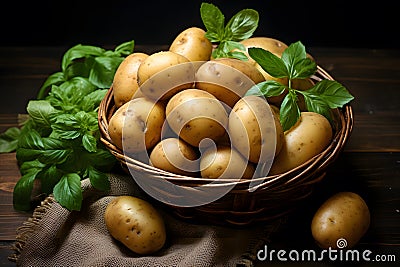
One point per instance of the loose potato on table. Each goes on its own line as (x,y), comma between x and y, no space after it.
(125,84)
(341,221)
(137,125)
(192,44)
(311,134)
(136,224)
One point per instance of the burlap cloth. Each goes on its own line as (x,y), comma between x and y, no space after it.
(54,236)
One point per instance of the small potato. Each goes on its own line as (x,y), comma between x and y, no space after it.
(165,73)
(195,115)
(311,134)
(137,125)
(225,162)
(136,224)
(341,221)
(192,44)
(125,83)
(174,155)
(228,79)
(253,129)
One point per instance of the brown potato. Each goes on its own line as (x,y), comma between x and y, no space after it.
(341,221)
(136,224)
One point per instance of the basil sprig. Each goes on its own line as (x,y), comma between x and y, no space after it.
(240,27)
(294,64)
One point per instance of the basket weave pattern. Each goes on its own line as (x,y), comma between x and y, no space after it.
(272,198)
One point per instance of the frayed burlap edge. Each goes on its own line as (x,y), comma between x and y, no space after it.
(25,231)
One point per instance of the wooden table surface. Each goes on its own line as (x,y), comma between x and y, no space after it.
(369,164)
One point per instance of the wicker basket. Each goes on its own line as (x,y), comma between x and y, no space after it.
(274,197)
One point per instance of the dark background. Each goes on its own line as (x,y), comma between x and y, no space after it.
(316,23)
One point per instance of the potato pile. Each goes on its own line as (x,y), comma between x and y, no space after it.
(185,112)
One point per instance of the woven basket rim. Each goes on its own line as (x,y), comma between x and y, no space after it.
(344,125)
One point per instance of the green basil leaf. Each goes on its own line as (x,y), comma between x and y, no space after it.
(103,70)
(318,105)
(267,88)
(41,111)
(9,139)
(98,179)
(125,48)
(68,191)
(54,79)
(49,177)
(242,25)
(333,93)
(79,51)
(289,111)
(23,190)
(89,142)
(272,64)
(296,61)
(92,101)
(213,20)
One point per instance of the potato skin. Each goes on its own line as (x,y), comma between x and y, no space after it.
(164,73)
(195,114)
(343,215)
(125,83)
(136,224)
(252,127)
(225,162)
(228,79)
(174,155)
(192,44)
(140,122)
(311,134)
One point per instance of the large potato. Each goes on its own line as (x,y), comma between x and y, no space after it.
(136,126)
(195,114)
(225,162)
(341,221)
(125,83)
(136,224)
(228,79)
(165,73)
(192,44)
(311,134)
(253,129)
(174,155)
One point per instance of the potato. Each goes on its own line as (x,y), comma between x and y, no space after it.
(136,224)
(165,73)
(174,155)
(311,134)
(225,162)
(125,84)
(195,114)
(345,215)
(136,125)
(227,79)
(192,44)
(253,130)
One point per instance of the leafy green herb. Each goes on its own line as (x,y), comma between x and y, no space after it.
(240,27)
(294,64)
(59,143)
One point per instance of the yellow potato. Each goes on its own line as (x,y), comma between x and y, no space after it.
(308,137)
(225,162)
(136,126)
(195,114)
(341,221)
(192,44)
(165,73)
(174,155)
(125,84)
(253,129)
(136,224)
(228,79)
